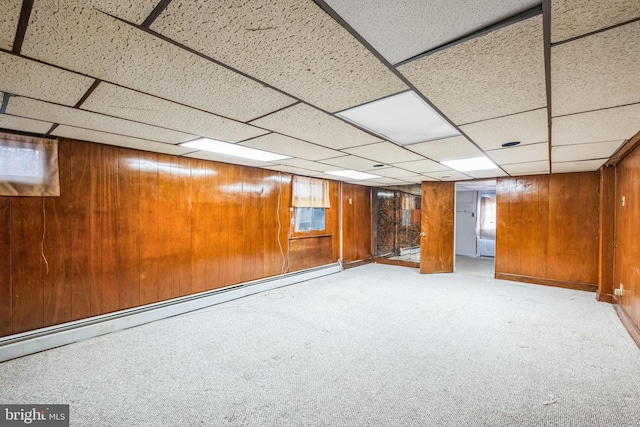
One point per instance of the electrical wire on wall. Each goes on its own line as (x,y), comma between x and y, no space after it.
(284,260)
(44,233)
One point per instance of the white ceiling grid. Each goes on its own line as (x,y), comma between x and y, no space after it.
(254,61)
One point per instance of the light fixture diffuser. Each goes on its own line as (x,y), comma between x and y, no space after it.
(403,118)
(234,150)
(353,174)
(472,164)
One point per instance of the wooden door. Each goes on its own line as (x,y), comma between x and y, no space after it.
(437,236)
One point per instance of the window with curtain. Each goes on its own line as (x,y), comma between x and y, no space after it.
(28,166)
(310,201)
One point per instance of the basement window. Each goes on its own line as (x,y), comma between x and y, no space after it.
(28,166)
(310,201)
(310,219)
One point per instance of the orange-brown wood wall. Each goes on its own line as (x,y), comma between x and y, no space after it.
(356,223)
(133,227)
(547,229)
(627,237)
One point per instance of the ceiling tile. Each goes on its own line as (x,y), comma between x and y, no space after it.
(365,183)
(9,16)
(527,168)
(282,144)
(293,170)
(24,125)
(528,128)
(290,44)
(40,110)
(305,164)
(449,175)
(489,173)
(440,150)
(307,123)
(215,157)
(384,152)
(79,38)
(401,30)
(119,140)
(351,162)
(394,173)
(135,11)
(493,75)
(423,166)
(520,154)
(24,77)
(597,71)
(384,181)
(596,126)
(128,104)
(572,18)
(583,166)
(594,150)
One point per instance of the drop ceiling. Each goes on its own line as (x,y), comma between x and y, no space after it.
(151,74)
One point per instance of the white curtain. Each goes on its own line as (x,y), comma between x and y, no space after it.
(310,192)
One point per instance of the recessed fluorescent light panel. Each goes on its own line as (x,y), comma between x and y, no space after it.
(206,144)
(472,164)
(353,174)
(403,118)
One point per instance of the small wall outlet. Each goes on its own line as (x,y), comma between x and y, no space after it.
(620,291)
(623,200)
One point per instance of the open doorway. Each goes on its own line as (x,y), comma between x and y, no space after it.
(475,227)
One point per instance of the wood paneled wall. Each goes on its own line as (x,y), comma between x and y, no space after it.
(547,229)
(627,252)
(437,235)
(132,228)
(356,223)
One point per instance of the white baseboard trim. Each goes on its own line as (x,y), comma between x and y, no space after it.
(26,343)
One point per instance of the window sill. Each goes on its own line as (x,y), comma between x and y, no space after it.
(311,236)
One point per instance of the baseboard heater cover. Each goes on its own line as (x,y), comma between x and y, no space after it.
(30,342)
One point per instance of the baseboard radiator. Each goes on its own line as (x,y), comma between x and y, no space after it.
(30,342)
